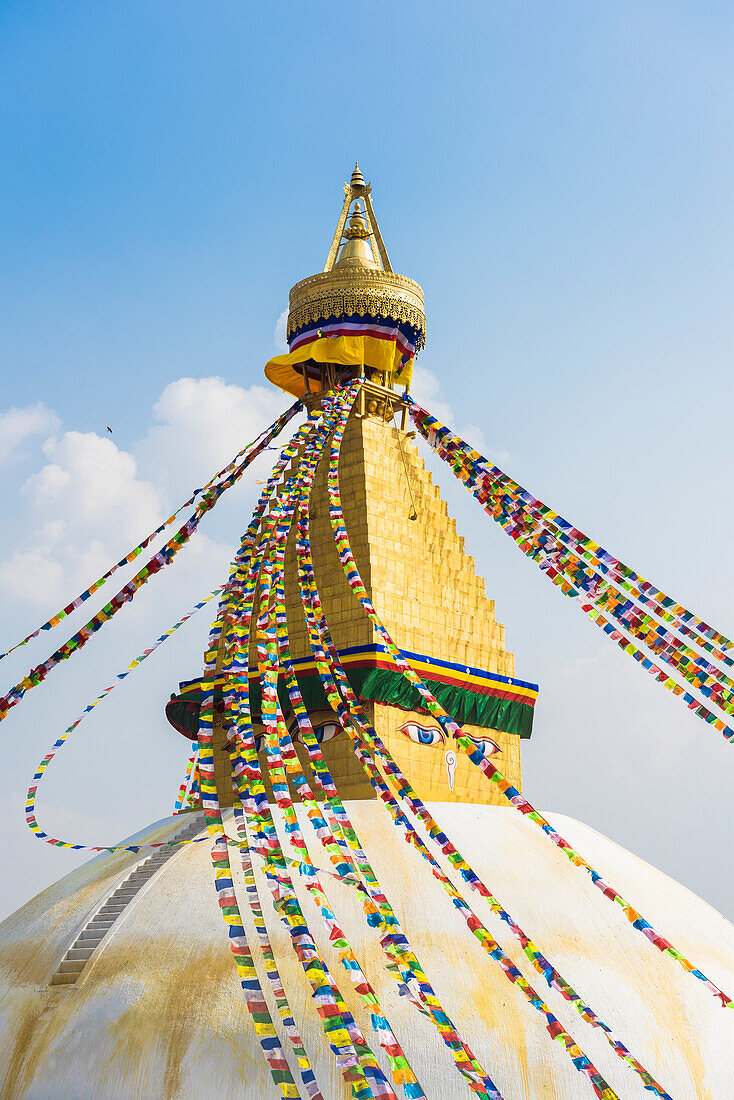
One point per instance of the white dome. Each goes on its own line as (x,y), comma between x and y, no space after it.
(158,1011)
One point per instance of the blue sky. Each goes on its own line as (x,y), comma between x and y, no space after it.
(558,177)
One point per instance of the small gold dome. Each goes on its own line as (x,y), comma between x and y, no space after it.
(357,226)
(356,250)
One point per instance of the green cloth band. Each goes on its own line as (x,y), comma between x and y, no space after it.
(376,685)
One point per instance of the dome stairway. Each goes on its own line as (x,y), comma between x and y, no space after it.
(86,943)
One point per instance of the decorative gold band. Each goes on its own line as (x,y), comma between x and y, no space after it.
(372,293)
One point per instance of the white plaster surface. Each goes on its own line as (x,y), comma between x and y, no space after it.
(158,1011)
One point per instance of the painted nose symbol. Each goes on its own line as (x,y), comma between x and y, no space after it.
(451,767)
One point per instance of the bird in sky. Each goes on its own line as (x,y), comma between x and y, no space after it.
(109,429)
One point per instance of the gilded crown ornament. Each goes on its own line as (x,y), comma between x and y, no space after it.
(359,280)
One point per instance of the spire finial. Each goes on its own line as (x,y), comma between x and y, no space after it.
(357,180)
(358,189)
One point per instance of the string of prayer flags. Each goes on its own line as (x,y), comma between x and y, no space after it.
(667,608)
(277,527)
(510,793)
(259,444)
(186,785)
(163,558)
(582,1063)
(355,710)
(286,456)
(224,883)
(281,753)
(30,806)
(254,997)
(193,798)
(584,572)
(354,1056)
(268,957)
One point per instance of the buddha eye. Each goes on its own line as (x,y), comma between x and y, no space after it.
(486,745)
(233,742)
(422,735)
(324,731)
(327,731)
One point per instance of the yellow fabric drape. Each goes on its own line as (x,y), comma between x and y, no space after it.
(283,370)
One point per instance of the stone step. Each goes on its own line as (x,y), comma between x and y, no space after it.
(73,966)
(63,979)
(86,935)
(82,953)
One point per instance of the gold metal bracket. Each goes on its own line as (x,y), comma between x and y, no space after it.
(373,399)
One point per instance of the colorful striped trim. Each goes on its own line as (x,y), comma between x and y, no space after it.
(444,672)
(404,335)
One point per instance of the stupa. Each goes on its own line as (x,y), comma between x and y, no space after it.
(118,981)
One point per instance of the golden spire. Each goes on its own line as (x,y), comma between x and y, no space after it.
(355,190)
(361,281)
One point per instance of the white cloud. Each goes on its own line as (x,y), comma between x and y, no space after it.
(33,573)
(92,501)
(84,508)
(203,423)
(280,336)
(90,479)
(426,389)
(19,425)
